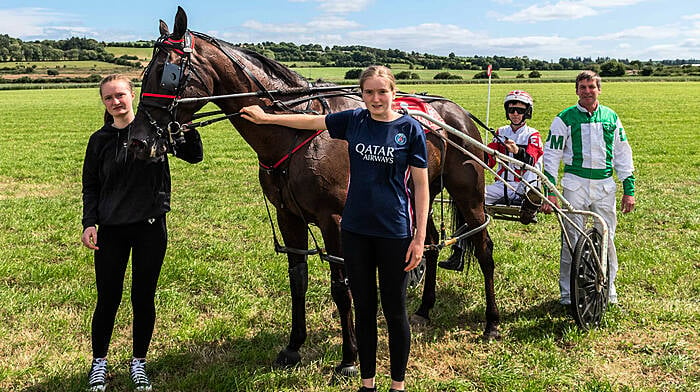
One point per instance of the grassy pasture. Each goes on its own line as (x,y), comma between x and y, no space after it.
(223,306)
(78,68)
(144,54)
(338,73)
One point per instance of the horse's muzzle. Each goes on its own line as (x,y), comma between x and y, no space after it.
(141,150)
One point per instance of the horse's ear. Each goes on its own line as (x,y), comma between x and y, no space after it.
(180,23)
(163,28)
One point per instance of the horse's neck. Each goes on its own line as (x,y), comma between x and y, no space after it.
(270,142)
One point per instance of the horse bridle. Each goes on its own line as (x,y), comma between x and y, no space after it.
(173,81)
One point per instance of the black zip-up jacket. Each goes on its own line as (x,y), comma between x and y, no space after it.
(119,189)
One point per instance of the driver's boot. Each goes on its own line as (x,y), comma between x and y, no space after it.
(456,260)
(528,210)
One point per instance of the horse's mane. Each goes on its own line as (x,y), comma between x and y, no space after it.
(273,69)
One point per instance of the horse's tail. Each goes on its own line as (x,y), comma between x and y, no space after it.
(458,227)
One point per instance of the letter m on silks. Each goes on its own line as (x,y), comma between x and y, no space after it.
(556,142)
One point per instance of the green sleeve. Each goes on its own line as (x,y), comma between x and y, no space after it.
(628,185)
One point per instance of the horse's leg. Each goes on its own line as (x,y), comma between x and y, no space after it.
(295,235)
(465,185)
(422,314)
(483,250)
(340,291)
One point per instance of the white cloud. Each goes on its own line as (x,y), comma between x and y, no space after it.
(565,10)
(344,6)
(338,6)
(545,12)
(274,27)
(683,50)
(329,23)
(528,42)
(643,32)
(612,3)
(420,37)
(691,43)
(29,23)
(332,23)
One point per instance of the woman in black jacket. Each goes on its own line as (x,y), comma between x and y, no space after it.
(127,199)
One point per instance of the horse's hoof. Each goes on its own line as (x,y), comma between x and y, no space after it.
(419,320)
(491,335)
(287,359)
(346,370)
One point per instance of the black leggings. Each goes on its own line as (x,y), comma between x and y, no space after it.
(364,255)
(147,243)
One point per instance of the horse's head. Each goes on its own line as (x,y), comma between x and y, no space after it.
(175,72)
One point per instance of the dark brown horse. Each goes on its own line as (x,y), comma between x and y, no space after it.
(309,185)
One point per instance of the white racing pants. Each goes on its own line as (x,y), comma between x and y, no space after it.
(589,195)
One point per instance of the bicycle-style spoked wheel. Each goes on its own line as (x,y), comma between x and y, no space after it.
(589,284)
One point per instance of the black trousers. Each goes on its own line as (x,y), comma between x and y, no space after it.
(364,256)
(147,242)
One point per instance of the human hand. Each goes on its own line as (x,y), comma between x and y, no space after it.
(511,146)
(414,254)
(89,238)
(627,203)
(254,114)
(546,207)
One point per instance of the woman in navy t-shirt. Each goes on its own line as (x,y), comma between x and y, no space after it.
(381,230)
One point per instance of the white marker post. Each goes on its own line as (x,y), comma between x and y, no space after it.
(488,98)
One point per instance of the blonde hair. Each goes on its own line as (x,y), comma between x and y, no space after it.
(378,71)
(111,78)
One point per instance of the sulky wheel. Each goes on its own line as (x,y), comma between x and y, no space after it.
(415,276)
(589,287)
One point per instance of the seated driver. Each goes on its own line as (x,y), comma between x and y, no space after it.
(522,142)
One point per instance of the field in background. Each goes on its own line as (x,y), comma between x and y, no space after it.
(223,299)
(338,73)
(70,69)
(144,54)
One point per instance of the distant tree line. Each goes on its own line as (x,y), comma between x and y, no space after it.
(362,56)
(13,49)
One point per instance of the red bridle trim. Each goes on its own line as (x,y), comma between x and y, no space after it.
(295,149)
(159,95)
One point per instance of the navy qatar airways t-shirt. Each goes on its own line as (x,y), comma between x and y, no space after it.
(378,202)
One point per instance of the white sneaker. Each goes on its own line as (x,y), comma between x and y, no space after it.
(565,301)
(97,378)
(137,369)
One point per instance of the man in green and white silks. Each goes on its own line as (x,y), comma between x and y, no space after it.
(591,141)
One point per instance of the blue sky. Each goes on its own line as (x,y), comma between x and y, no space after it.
(539,29)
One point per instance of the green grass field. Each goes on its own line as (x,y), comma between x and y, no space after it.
(68,66)
(223,299)
(338,73)
(144,54)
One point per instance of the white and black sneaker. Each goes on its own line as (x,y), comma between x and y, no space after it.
(137,369)
(97,378)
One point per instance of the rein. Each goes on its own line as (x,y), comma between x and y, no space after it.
(175,78)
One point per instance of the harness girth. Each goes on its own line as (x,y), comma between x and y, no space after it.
(184,48)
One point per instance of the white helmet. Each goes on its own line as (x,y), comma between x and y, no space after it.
(519,96)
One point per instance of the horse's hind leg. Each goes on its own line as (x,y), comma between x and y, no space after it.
(466,189)
(295,235)
(422,314)
(483,250)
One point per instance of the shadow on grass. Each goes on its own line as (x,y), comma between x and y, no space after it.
(539,321)
(226,365)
